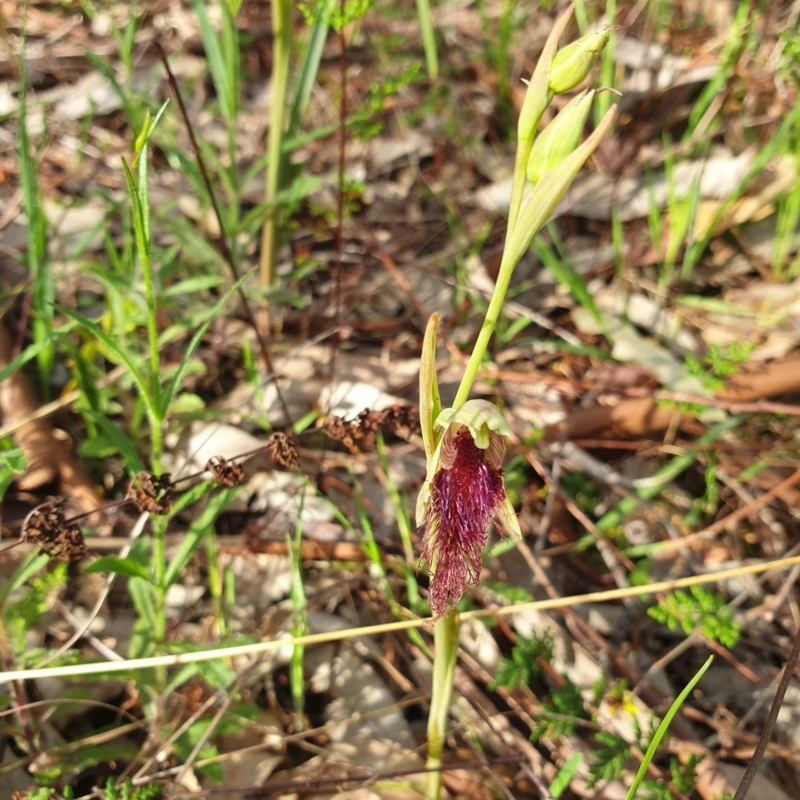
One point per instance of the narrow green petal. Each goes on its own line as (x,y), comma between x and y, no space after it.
(423,498)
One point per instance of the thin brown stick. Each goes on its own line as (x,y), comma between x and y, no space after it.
(766,733)
(744,511)
(222,243)
(339,234)
(362,776)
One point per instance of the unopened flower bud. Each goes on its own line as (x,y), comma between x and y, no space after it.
(542,199)
(560,137)
(571,64)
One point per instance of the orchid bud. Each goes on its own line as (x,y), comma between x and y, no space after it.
(536,100)
(571,64)
(542,199)
(560,138)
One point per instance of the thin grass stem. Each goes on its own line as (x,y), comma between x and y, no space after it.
(282,44)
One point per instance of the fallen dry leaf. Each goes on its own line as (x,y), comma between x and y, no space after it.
(47,457)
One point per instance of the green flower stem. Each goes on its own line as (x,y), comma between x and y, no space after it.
(537,206)
(445,639)
(487,329)
(528,212)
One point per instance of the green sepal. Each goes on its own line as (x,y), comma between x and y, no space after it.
(430,404)
(506,511)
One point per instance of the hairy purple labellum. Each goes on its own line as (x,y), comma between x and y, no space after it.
(465,492)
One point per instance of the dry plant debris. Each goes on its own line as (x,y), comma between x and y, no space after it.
(399,419)
(648,362)
(283,450)
(224,472)
(151,493)
(48,527)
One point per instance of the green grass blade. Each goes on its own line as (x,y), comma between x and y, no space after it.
(308,73)
(142,188)
(33,562)
(731,52)
(128,567)
(428,38)
(172,386)
(108,73)
(136,208)
(143,197)
(230,55)
(126,449)
(33,350)
(663,727)
(39,266)
(562,780)
(120,354)
(300,621)
(191,540)
(667,473)
(608,64)
(403,525)
(565,273)
(216,62)
(785,131)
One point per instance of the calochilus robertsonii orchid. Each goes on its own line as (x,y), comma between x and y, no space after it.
(465,444)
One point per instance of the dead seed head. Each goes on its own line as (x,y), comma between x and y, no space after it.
(403,421)
(224,472)
(151,493)
(48,528)
(283,450)
(358,435)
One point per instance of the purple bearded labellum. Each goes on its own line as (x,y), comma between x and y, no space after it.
(460,497)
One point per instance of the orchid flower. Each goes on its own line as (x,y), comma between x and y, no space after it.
(460,497)
(463,489)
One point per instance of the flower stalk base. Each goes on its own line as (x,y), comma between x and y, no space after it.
(445,640)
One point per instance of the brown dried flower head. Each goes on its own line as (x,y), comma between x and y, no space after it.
(400,419)
(151,493)
(283,450)
(48,527)
(224,472)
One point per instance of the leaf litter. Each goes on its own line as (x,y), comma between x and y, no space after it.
(423,235)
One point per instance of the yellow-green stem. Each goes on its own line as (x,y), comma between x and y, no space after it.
(445,639)
(282,42)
